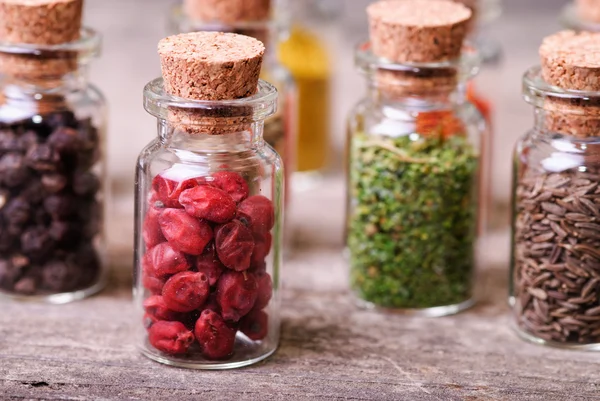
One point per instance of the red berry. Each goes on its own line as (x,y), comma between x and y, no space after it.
(208,203)
(236,294)
(184,232)
(258,213)
(212,304)
(255,325)
(232,183)
(265,289)
(153,284)
(168,190)
(186,291)
(151,230)
(262,247)
(209,264)
(234,244)
(166,260)
(156,307)
(214,336)
(170,337)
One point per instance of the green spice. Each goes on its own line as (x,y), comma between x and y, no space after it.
(413,220)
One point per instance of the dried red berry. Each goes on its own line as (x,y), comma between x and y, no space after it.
(234,244)
(214,336)
(262,247)
(168,190)
(166,260)
(184,232)
(208,203)
(212,304)
(153,284)
(232,183)
(258,213)
(255,325)
(170,337)
(265,289)
(186,291)
(209,264)
(151,230)
(236,294)
(156,307)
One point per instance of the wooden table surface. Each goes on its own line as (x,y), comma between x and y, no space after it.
(329,348)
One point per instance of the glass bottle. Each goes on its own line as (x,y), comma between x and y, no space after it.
(306,55)
(414,172)
(221,146)
(280,129)
(52,131)
(554,280)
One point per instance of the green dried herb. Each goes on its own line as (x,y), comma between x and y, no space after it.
(413,219)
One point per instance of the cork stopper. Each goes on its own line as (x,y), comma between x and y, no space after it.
(571,61)
(39,22)
(210,66)
(228,11)
(418,31)
(43,22)
(588,10)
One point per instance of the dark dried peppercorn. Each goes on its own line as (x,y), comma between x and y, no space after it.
(8,274)
(27,140)
(54,183)
(43,158)
(64,233)
(60,206)
(34,191)
(26,286)
(16,212)
(65,140)
(85,184)
(13,171)
(59,275)
(9,142)
(61,119)
(36,242)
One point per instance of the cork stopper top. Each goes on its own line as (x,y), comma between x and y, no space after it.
(210,65)
(43,22)
(228,11)
(418,31)
(571,60)
(588,10)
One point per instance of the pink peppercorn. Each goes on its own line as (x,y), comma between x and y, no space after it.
(232,183)
(215,337)
(166,260)
(184,232)
(234,244)
(208,203)
(156,307)
(258,213)
(262,247)
(186,291)
(236,294)
(255,325)
(151,230)
(168,190)
(170,337)
(209,264)
(265,289)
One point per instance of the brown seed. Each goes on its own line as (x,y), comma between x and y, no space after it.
(590,206)
(557,295)
(590,286)
(558,229)
(543,237)
(593,311)
(571,321)
(592,226)
(538,293)
(587,250)
(554,208)
(575,217)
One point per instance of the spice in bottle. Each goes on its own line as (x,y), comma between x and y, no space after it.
(209,198)
(413,174)
(555,280)
(51,122)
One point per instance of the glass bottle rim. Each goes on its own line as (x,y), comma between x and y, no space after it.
(466,66)
(536,89)
(570,19)
(86,47)
(277,24)
(257,107)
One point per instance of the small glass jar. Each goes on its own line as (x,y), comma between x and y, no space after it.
(414,171)
(280,129)
(228,316)
(555,281)
(52,124)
